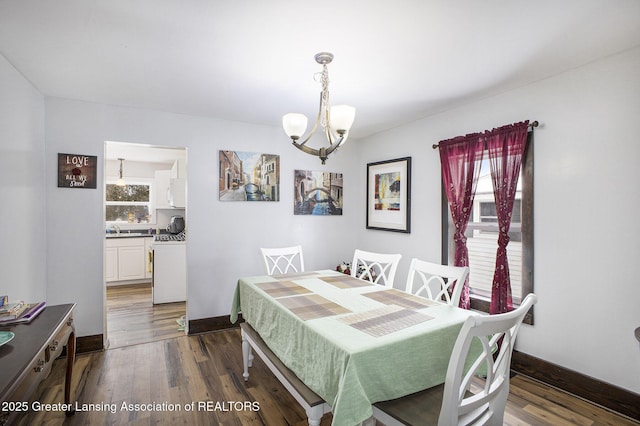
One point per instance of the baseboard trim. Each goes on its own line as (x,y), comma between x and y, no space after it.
(95,343)
(86,344)
(204,325)
(601,393)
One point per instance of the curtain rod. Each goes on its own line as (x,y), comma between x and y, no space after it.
(533,124)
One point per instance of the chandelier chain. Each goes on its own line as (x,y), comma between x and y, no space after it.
(324,79)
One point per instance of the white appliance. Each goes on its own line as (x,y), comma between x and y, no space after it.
(169,282)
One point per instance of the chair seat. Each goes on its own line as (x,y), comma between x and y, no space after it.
(420,408)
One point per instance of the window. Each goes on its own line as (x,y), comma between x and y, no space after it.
(482,234)
(482,239)
(130,203)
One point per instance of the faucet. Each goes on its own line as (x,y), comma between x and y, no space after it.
(117,229)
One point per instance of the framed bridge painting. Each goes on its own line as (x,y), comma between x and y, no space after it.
(317,193)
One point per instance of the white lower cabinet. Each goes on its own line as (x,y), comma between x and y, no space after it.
(125,259)
(131,263)
(111,264)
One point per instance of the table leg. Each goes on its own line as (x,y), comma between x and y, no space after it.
(314,415)
(246,354)
(71,356)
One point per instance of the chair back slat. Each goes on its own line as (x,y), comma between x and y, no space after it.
(283,260)
(379,268)
(437,282)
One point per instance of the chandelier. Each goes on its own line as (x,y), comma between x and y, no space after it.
(335,121)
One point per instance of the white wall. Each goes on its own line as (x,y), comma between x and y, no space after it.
(586,204)
(224,237)
(22,213)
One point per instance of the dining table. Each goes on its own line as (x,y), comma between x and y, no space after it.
(351,342)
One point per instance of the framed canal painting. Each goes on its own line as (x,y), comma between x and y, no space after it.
(249,176)
(389,195)
(317,193)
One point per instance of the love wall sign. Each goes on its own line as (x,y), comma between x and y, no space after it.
(77,171)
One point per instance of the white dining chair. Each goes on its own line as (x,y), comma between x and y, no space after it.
(437,282)
(452,403)
(379,268)
(283,260)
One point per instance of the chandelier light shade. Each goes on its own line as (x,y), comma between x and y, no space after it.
(294,125)
(121,181)
(335,121)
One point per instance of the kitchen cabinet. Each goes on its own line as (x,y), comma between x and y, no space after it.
(171,186)
(131,264)
(111,264)
(177,193)
(178,184)
(162,182)
(179,169)
(126,259)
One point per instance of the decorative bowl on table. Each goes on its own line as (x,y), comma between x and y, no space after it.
(6,337)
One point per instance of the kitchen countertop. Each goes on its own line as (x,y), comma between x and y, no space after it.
(126,234)
(134,233)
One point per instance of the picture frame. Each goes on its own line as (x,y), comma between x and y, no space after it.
(248,176)
(77,171)
(389,195)
(317,193)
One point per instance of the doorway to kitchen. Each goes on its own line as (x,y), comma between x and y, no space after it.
(144,213)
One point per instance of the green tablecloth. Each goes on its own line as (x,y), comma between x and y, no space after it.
(349,368)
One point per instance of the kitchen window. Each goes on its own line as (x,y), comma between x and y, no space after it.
(131,203)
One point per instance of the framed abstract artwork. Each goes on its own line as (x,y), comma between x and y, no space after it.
(389,195)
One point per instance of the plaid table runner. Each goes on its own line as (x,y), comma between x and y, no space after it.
(312,306)
(296,275)
(386,320)
(346,281)
(277,289)
(400,298)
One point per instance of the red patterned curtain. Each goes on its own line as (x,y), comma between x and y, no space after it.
(505,146)
(461,158)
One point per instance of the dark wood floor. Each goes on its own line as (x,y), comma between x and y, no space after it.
(207,369)
(151,361)
(132,318)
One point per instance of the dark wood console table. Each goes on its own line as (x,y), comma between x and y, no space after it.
(26,360)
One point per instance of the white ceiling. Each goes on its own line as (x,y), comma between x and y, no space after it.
(252,60)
